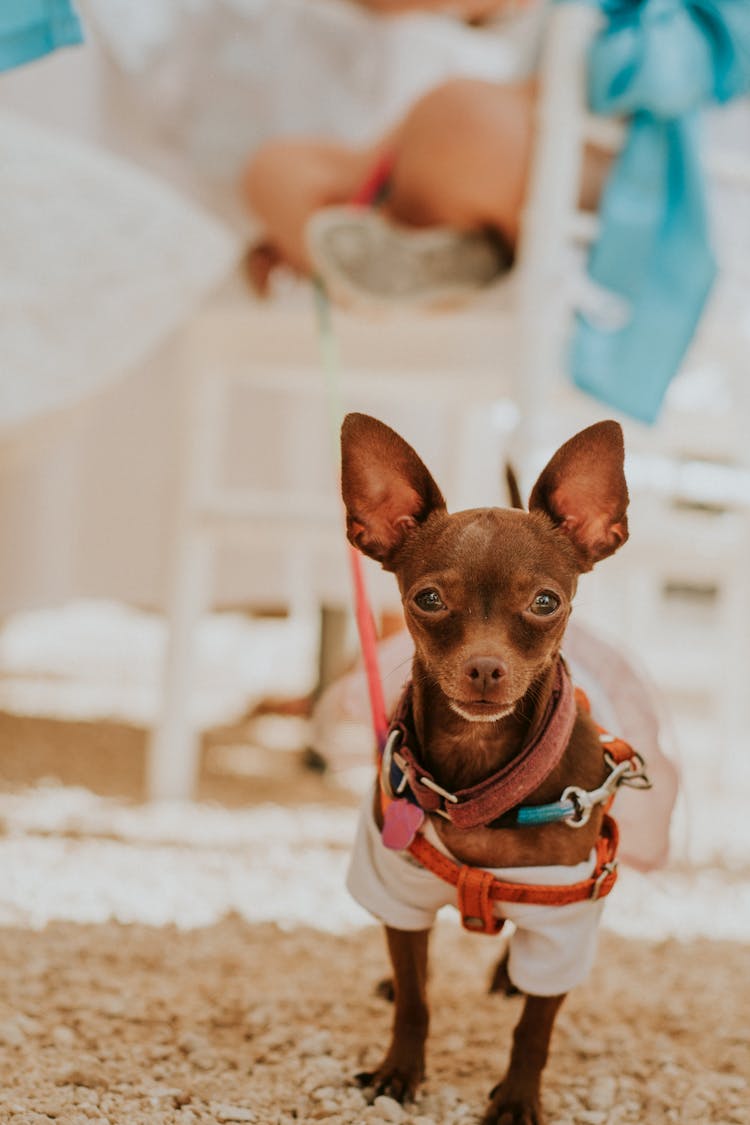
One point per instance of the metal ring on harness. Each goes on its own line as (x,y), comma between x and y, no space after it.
(386,762)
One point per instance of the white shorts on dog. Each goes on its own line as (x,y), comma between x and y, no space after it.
(553,947)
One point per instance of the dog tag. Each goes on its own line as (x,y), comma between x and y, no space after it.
(401,823)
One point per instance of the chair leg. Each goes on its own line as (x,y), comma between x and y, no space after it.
(335,655)
(174,754)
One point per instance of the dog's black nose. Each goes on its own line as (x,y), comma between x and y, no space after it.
(484,673)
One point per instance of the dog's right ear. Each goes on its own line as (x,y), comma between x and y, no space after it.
(386,488)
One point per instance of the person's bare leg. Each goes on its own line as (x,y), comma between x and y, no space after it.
(461,159)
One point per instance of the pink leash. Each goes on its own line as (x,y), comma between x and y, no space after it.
(369,644)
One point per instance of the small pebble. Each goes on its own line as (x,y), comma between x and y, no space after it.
(321,1072)
(158,1092)
(325,1108)
(603,1093)
(89,1076)
(63,1037)
(232,1113)
(189,1043)
(28,1025)
(11,1033)
(389,1109)
(112,1006)
(315,1043)
(323,1093)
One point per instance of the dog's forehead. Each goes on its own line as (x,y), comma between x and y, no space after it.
(489,544)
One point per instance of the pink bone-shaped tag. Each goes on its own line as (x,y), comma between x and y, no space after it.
(401,822)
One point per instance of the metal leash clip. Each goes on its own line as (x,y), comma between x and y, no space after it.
(635,778)
(631,772)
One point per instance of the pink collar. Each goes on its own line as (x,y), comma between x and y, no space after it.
(483,803)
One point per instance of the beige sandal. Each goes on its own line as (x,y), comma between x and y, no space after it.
(365,259)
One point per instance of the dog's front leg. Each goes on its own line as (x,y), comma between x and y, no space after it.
(402,1069)
(517,1099)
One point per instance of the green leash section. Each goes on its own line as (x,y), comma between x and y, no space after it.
(330,362)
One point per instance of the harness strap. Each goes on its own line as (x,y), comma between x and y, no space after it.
(618,749)
(478,889)
(475,901)
(476,896)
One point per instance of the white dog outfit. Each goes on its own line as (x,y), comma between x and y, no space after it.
(552,948)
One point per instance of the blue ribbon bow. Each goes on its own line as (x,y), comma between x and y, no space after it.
(31,28)
(657,62)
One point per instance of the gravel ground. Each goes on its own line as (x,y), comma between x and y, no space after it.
(242,1021)
(138,1026)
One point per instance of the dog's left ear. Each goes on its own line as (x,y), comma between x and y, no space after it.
(583,491)
(387,489)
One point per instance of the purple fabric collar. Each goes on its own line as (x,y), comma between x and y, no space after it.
(484,802)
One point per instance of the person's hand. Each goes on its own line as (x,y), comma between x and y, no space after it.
(261,261)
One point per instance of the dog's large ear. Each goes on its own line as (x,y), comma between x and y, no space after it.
(583,490)
(386,488)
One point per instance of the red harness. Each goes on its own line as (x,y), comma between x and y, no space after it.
(479,890)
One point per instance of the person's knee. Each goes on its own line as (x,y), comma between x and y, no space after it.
(470,102)
(462,155)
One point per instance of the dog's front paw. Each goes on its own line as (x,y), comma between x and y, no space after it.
(508,1108)
(393,1080)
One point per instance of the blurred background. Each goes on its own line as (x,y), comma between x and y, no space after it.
(174,591)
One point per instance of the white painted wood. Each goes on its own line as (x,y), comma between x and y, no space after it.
(506,346)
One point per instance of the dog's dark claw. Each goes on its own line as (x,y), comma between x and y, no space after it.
(510,1111)
(385,990)
(396,1085)
(515,1113)
(501,989)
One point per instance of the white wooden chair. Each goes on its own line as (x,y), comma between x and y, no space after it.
(436,379)
(690,475)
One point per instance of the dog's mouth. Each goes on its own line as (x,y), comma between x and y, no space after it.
(481,711)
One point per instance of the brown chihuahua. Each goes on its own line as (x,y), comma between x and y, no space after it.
(487,728)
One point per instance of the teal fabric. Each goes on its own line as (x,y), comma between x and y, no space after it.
(658,62)
(32,28)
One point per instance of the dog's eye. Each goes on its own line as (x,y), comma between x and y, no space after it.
(544,603)
(430,601)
